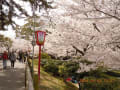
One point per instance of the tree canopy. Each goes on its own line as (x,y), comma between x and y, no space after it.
(8,10)
(5,42)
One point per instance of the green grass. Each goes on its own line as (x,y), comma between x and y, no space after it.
(49,82)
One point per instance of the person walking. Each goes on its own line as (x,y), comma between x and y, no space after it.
(5,57)
(25,56)
(20,56)
(12,59)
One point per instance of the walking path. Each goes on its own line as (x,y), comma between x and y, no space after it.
(12,79)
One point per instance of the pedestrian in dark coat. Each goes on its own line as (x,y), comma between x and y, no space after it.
(12,58)
(20,56)
(25,56)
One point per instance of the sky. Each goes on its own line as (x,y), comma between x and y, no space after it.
(11,33)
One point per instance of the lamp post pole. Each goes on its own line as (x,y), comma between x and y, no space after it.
(39,62)
(40,39)
(33,41)
(33,44)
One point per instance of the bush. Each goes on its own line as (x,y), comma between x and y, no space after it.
(57,67)
(68,68)
(96,73)
(101,84)
(86,62)
(60,68)
(112,73)
(43,62)
(58,62)
(50,66)
(63,72)
(100,72)
(45,56)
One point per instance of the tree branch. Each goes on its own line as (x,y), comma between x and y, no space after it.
(81,52)
(108,14)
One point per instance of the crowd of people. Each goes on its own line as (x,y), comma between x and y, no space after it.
(13,56)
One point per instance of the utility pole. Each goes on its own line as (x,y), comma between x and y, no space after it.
(33,41)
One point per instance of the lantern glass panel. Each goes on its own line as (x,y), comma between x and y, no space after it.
(41,37)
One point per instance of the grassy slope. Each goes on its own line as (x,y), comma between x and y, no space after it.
(48,82)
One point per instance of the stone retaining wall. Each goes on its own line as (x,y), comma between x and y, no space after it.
(29,80)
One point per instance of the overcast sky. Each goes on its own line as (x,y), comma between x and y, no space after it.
(11,33)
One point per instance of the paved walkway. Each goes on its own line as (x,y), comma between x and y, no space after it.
(12,79)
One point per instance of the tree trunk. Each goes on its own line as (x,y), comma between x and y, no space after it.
(77,50)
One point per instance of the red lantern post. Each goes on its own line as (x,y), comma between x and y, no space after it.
(40,39)
(39,62)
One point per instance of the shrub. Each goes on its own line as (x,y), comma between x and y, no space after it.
(61,68)
(43,62)
(58,62)
(96,73)
(50,66)
(79,57)
(112,73)
(101,84)
(86,62)
(63,72)
(100,72)
(45,56)
(68,68)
